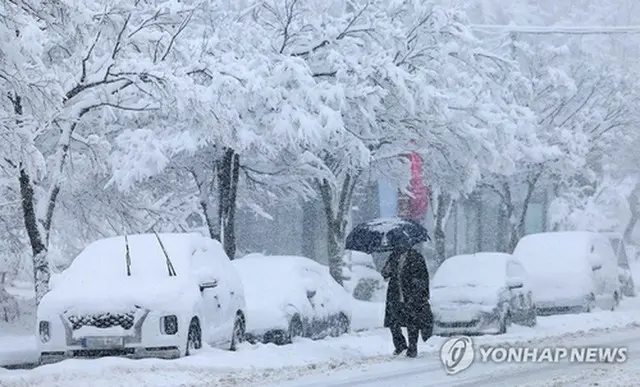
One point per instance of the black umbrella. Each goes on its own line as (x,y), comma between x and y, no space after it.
(386,234)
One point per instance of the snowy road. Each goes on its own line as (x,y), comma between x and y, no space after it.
(427,370)
(358,359)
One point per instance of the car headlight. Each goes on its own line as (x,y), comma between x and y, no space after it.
(44,328)
(169,324)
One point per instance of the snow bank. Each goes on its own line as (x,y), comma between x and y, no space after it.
(258,364)
(366,315)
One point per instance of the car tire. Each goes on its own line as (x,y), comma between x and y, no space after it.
(504,323)
(194,337)
(532,318)
(629,288)
(295,328)
(590,303)
(341,326)
(238,334)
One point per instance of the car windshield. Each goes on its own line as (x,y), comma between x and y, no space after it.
(104,260)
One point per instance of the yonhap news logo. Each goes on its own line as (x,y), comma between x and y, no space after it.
(459,353)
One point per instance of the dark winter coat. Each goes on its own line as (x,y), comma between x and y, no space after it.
(414,310)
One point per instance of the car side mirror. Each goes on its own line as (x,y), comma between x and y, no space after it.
(311,294)
(208,285)
(513,283)
(596,267)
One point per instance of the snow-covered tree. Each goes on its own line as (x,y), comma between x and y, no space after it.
(97,58)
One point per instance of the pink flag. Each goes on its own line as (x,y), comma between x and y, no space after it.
(414,208)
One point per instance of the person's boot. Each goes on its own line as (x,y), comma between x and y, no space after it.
(399,350)
(412,351)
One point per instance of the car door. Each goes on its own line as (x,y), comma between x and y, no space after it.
(228,297)
(225,294)
(521,298)
(209,286)
(595,258)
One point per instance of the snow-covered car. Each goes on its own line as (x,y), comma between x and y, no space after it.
(145,295)
(481,293)
(625,276)
(363,280)
(290,296)
(570,271)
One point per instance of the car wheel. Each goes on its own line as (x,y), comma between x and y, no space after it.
(532,317)
(194,337)
(237,336)
(295,328)
(504,323)
(590,303)
(629,288)
(341,325)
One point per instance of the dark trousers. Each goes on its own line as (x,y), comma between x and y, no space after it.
(399,341)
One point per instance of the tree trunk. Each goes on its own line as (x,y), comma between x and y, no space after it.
(203,201)
(556,194)
(479,223)
(41,270)
(634,207)
(509,213)
(443,202)
(519,227)
(228,176)
(336,216)
(309,228)
(37,226)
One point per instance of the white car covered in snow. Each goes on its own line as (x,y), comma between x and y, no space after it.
(481,293)
(571,271)
(146,295)
(290,296)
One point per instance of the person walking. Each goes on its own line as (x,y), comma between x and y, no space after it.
(407,304)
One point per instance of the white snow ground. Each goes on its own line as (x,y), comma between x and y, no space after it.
(262,364)
(428,372)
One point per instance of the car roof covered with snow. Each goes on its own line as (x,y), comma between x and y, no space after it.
(563,249)
(479,269)
(278,273)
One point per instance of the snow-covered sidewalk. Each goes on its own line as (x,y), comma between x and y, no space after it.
(254,365)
